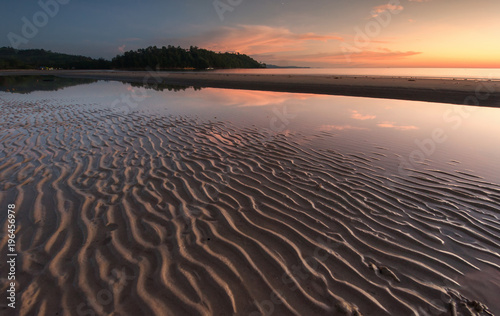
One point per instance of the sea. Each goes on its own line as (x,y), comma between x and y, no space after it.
(448,73)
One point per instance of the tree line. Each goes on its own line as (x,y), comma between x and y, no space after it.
(169,57)
(11,58)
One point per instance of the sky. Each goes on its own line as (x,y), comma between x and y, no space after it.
(313,33)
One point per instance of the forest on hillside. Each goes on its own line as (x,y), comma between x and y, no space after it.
(149,58)
(171,57)
(11,58)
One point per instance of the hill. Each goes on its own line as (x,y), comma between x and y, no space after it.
(11,58)
(152,57)
(178,58)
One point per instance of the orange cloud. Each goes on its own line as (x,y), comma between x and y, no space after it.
(358,116)
(259,39)
(373,57)
(340,128)
(282,46)
(395,9)
(398,127)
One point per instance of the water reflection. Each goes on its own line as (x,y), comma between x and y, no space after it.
(355,124)
(163,86)
(28,84)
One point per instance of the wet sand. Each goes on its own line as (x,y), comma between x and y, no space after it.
(139,214)
(468,92)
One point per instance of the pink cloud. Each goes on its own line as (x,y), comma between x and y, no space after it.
(121,48)
(393,8)
(358,116)
(381,54)
(282,46)
(258,39)
(393,125)
(340,128)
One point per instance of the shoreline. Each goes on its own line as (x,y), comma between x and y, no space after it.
(461,91)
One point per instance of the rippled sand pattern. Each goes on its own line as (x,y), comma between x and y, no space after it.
(144,214)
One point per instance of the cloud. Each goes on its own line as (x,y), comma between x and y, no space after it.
(121,48)
(358,116)
(282,46)
(394,9)
(341,128)
(258,39)
(393,125)
(367,56)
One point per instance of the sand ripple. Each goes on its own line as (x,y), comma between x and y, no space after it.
(160,215)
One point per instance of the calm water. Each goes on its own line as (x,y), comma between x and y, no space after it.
(475,73)
(469,140)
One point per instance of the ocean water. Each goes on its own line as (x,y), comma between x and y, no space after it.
(469,73)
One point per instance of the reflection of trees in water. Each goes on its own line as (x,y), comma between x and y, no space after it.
(28,84)
(163,86)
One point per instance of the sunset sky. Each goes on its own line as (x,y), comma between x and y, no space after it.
(317,33)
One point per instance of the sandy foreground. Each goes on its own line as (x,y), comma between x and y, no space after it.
(459,91)
(141,214)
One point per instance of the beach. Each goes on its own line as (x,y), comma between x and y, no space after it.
(250,158)
(174,207)
(454,91)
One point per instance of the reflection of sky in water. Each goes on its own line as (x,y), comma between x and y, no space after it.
(356,124)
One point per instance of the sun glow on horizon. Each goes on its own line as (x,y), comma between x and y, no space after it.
(323,33)
(393,36)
